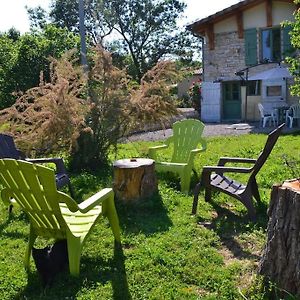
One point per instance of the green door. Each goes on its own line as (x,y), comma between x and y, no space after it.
(231,100)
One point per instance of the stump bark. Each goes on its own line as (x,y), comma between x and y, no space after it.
(134,179)
(281,257)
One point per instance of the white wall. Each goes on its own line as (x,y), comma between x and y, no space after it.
(282,12)
(226,25)
(256,17)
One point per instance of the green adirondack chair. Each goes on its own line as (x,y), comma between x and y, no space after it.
(54,214)
(185,139)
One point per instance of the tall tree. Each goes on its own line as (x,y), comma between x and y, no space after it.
(147,30)
(22,58)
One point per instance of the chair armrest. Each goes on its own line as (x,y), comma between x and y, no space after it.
(224,160)
(64,198)
(222,169)
(198,150)
(158,147)
(193,152)
(152,150)
(59,163)
(94,200)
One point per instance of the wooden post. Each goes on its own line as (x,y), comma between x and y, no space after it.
(134,179)
(280,262)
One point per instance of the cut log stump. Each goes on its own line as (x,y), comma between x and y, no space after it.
(134,179)
(280,262)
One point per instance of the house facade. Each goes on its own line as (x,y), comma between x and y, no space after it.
(240,43)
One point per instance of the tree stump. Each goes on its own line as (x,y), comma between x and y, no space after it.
(134,179)
(281,258)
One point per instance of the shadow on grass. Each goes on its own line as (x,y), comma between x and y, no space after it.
(93,271)
(4,227)
(229,225)
(172,180)
(148,215)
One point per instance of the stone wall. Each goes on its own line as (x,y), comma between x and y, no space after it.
(226,59)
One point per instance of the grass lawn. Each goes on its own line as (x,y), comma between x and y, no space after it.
(166,252)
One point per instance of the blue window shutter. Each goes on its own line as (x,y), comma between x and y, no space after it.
(250,46)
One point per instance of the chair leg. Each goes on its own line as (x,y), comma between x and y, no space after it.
(264,122)
(196,197)
(291,122)
(207,193)
(32,238)
(111,214)
(255,191)
(246,199)
(185,181)
(74,253)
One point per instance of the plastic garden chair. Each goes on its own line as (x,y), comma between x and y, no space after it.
(293,113)
(54,214)
(8,149)
(186,137)
(213,177)
(267,116)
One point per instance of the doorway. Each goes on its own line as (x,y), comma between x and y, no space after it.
(231,100)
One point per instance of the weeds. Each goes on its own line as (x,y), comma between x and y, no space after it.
(166,252)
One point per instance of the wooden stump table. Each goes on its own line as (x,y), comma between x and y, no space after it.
(134,179)
(280,261)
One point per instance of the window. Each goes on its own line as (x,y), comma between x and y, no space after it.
(267,45)
(253,88)
(270,44)
(273,91)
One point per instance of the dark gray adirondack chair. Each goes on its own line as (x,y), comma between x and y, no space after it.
(8,149)
(213,177)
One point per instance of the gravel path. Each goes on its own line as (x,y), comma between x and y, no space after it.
(209,130)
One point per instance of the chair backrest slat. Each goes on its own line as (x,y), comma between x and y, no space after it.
(186,137)
(270,143)
(34,189)
(296,111)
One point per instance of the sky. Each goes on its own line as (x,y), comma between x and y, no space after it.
(14,14)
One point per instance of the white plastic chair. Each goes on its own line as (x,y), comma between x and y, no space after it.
(293,113)
(266,116)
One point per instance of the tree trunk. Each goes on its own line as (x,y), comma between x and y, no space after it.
(134,179)
(281,258)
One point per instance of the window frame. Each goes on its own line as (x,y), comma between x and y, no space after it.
(261,48)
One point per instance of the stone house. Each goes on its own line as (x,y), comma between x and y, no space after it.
(239,44)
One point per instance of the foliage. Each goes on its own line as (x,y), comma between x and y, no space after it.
(46,117)
(24,57)
(87,116)
(118,108)
(107,119)
(8,57)
(295,41)
(166,253)
(195,94)
(146,30)
(64,13)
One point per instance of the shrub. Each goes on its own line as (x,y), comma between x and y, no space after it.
(86,114)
